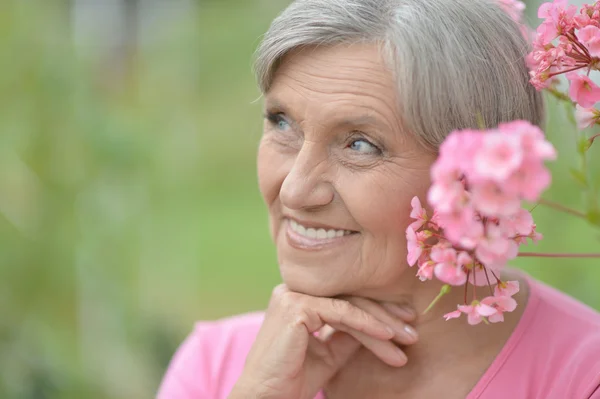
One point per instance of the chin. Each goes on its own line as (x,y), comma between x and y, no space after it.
(306,280)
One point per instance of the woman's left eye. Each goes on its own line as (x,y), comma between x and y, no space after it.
(363,146)
(278,121)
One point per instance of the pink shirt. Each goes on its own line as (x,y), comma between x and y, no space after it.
(553,353)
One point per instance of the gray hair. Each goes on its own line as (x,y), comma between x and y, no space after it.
(456,62)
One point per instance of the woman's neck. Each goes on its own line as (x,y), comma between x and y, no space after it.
(448,352)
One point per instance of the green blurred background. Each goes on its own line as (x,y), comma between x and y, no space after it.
(129,205)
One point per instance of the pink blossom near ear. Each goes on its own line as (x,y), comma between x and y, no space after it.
(498,156)
(490,200)
(444,196)
(418,213)
(425,271)
(447,268)
(590,37)
(478,183)
(586,117)
(415,247)
(582,90)
(506,288)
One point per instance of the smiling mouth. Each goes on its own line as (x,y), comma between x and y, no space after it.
(304,237)
(317,233)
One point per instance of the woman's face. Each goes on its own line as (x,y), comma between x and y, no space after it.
(338,173)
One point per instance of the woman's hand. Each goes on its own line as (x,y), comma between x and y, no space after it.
(289,361)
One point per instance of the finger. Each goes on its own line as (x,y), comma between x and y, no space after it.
(403,333)
(404,312)
(325,356)
(340,312)
(385,350)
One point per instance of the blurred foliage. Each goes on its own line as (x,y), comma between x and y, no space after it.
(129,204)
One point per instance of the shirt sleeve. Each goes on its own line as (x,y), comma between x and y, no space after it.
(211,359)
(595,394)
(188,374)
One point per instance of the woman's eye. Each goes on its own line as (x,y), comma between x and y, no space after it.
(363,146)
(278,121)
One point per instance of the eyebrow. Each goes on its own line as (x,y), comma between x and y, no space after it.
(360,120)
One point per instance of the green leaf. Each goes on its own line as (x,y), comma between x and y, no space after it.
(583,145)
(593,216)
(579,176)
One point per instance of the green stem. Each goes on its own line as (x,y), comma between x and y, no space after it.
(557,255)
(562,208)
(560,95)
(445,289)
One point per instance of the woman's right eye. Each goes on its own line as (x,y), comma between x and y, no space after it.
(278,121)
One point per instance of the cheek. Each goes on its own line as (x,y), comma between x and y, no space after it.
(271,170)
(268,169)
(383,207)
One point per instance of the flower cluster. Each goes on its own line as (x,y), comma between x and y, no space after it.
(479,181)
(568,42)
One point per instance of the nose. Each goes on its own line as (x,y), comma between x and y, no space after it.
(306,186)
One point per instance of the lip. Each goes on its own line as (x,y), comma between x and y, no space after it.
(298,241)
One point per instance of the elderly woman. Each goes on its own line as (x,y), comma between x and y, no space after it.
(358,95)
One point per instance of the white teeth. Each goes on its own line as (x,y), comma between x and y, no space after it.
(316,233)
(300,229)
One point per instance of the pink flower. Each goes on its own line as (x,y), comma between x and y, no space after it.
(490,200)
(495,250)
(559,19)
(446,196)
(500,304)
(590,37)
(418,213)
(452,315)
(529,181)
(476,312)
(586,117)
(521,223)
(506,288)
(425,271)
(498,156)
(449,266)
(415,246)
(582,90)
(533,141)
(547,31)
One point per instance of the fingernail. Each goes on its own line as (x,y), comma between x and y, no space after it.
(410,331)
(401,356)
(400,311)
(390,330)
